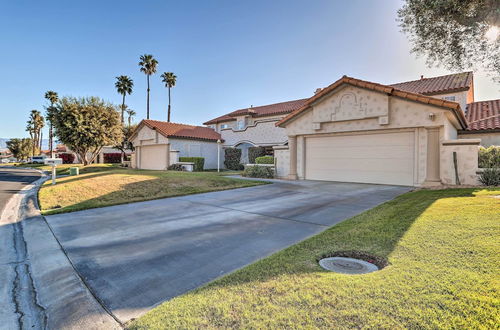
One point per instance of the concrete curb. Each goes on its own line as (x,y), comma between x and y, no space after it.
(47,292)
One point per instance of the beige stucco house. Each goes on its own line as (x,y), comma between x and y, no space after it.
(159,144)
(359,131)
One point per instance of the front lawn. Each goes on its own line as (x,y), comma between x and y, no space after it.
(444,260)
(105,185)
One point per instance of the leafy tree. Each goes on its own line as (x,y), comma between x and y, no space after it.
(131,113)
(20,148)
(52,97)
(34,128)
(457,34)
(86,125)
(148,65)
(169,78)
(124,86)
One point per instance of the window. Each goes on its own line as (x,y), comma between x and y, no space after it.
(222,126)
(449,98)
(241,124)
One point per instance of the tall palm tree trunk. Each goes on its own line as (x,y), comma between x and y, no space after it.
(50,141)
(168,105)
(147,105)
(123,107)
(41,139)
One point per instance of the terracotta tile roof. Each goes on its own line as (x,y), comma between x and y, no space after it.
(453,106)
(483,115)
(437,85)
(180,130)
(260,111)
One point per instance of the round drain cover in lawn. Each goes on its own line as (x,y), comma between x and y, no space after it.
(347,265)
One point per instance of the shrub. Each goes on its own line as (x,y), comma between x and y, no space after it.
(232,158)
(254,152)
(199,162)
(489,157)
(490,176)
(175,167)
(67,158)
(265,172)
(114,157)
(264,160)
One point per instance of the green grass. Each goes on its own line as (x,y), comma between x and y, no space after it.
(444,264)
(105,185)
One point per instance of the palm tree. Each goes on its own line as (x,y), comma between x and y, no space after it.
(148,65)
(124,86)
(131,113)
(52,97)
(35,125)
(169,79)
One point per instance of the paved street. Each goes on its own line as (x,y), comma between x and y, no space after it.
(13,180)
(135,256)
(39,288)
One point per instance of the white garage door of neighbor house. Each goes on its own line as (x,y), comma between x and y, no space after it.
(153,157)
(369,158)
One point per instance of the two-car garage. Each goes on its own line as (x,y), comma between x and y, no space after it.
(385,158)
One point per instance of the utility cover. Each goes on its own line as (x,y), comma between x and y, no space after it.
(347,265)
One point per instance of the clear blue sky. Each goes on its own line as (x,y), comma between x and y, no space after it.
(226,54)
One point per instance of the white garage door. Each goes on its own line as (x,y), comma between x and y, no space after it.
(153,157)
(371,158)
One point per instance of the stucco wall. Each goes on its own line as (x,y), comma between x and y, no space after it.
(147,136)
(467,161)
(460,98)
(282,160)
(261,133)
(488,139)
(194,148)
(401,114)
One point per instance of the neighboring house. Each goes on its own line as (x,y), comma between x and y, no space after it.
(403,134)
(483,120)
(254,126)
(159,144)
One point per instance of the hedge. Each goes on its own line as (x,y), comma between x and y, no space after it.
(199,162)
(255,152)
(67,158)
(264,160)
(489,157)
(232,158)
(255,171)
(115,157)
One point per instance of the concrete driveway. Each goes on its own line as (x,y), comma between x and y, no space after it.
(136,256)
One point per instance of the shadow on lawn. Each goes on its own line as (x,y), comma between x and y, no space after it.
(376,232)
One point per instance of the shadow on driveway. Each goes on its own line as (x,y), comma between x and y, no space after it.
(138,255)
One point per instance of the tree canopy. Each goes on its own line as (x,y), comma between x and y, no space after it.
(458,34)
(20,148)
(34,127)
(86,125)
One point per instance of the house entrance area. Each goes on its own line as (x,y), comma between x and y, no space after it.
(386,158)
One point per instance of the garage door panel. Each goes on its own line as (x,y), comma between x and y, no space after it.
(372,158)
(401,165)
(382,152)
(153,157)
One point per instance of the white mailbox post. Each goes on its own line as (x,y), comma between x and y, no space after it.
(53,162)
